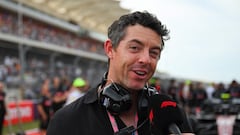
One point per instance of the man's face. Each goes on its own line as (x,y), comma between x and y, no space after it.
(134,61)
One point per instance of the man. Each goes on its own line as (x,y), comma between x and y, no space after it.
(76,91)
(57,93)
(44,108)
(133,49)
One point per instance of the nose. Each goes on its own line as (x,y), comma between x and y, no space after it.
(145,57)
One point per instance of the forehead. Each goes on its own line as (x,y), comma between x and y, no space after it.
(143,34)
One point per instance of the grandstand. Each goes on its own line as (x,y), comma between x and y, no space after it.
(38,43)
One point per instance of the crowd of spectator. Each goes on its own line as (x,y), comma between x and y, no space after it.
(42,32)
(38,67)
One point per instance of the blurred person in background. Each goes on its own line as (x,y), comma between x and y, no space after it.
(220,89)
(172,90)
(77,90)
(55,85)
(180,93)
(58,93)
(3,108)
(133,48)
(234,89)
(200,95)
(191,98)
(44,108)
(210,89)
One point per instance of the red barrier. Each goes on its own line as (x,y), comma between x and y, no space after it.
(19,112)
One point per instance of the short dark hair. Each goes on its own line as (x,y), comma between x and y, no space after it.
(116,31)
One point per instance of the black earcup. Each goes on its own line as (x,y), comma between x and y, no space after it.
(115,98)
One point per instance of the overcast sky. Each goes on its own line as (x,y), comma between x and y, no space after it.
(204,37)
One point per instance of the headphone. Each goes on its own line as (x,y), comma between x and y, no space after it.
(117,99)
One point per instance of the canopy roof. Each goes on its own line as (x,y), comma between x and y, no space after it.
(93,15)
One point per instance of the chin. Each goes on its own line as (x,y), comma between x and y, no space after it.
(135,84)
(137,87)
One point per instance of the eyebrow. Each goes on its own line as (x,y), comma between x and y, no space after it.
(141,43)
(137,41)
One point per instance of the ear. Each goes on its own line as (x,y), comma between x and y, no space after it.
(108,48)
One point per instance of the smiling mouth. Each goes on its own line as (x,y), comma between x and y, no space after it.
(141,73)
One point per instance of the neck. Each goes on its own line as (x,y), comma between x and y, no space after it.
(130,117)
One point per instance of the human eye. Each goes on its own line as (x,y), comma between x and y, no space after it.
(134,47)
(155,53)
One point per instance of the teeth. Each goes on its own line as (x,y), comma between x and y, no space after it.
(140,72)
